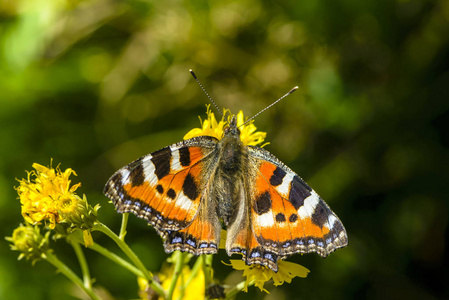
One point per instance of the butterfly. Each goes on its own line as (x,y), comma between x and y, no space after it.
(192,189)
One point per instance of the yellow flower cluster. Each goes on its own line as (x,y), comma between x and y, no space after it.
(47,196)
(211,127)
(260,274)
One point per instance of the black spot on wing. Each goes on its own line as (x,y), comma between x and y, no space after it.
(293,218)
(299,190)
(171,193)
(190,187)
(161,161)
(184,156)
(280,217)
(277,177)
(321,214)
(263,203)
(160,189)
(136,175)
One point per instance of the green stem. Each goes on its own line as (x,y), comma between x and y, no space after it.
(237,289)
(182,280)
(124,247)
(123,226)
(110,255)
(207,269)
(117,259)
(83,264)
(69,274)
(132,256)
(178,258)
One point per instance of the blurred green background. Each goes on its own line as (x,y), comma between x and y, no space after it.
(96,84)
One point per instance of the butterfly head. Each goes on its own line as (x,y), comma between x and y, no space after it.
(232,130)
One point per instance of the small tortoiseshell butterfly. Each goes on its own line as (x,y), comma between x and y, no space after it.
(189,190)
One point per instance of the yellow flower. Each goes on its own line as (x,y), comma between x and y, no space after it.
(28,240)
(287,271)
(47,196)
(248,133)
(260,274)
(211,127)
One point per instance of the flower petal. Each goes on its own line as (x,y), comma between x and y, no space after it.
(211,127)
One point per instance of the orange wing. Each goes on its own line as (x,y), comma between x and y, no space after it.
(167,188)
(285,215)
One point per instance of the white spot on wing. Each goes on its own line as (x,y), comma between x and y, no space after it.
(284,188)
(303,213)
(266,219)
(175,163)
(183,202)
(148,170)
(309,206)
(332,220)
(125,174)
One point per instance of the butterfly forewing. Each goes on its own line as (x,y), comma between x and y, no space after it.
(164,187)
(287,215)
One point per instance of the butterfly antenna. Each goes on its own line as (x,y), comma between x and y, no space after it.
(204,90)
(291,91)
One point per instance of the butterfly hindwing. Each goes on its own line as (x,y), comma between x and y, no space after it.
(202,236)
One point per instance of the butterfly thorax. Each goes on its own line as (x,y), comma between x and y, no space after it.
(229,172)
